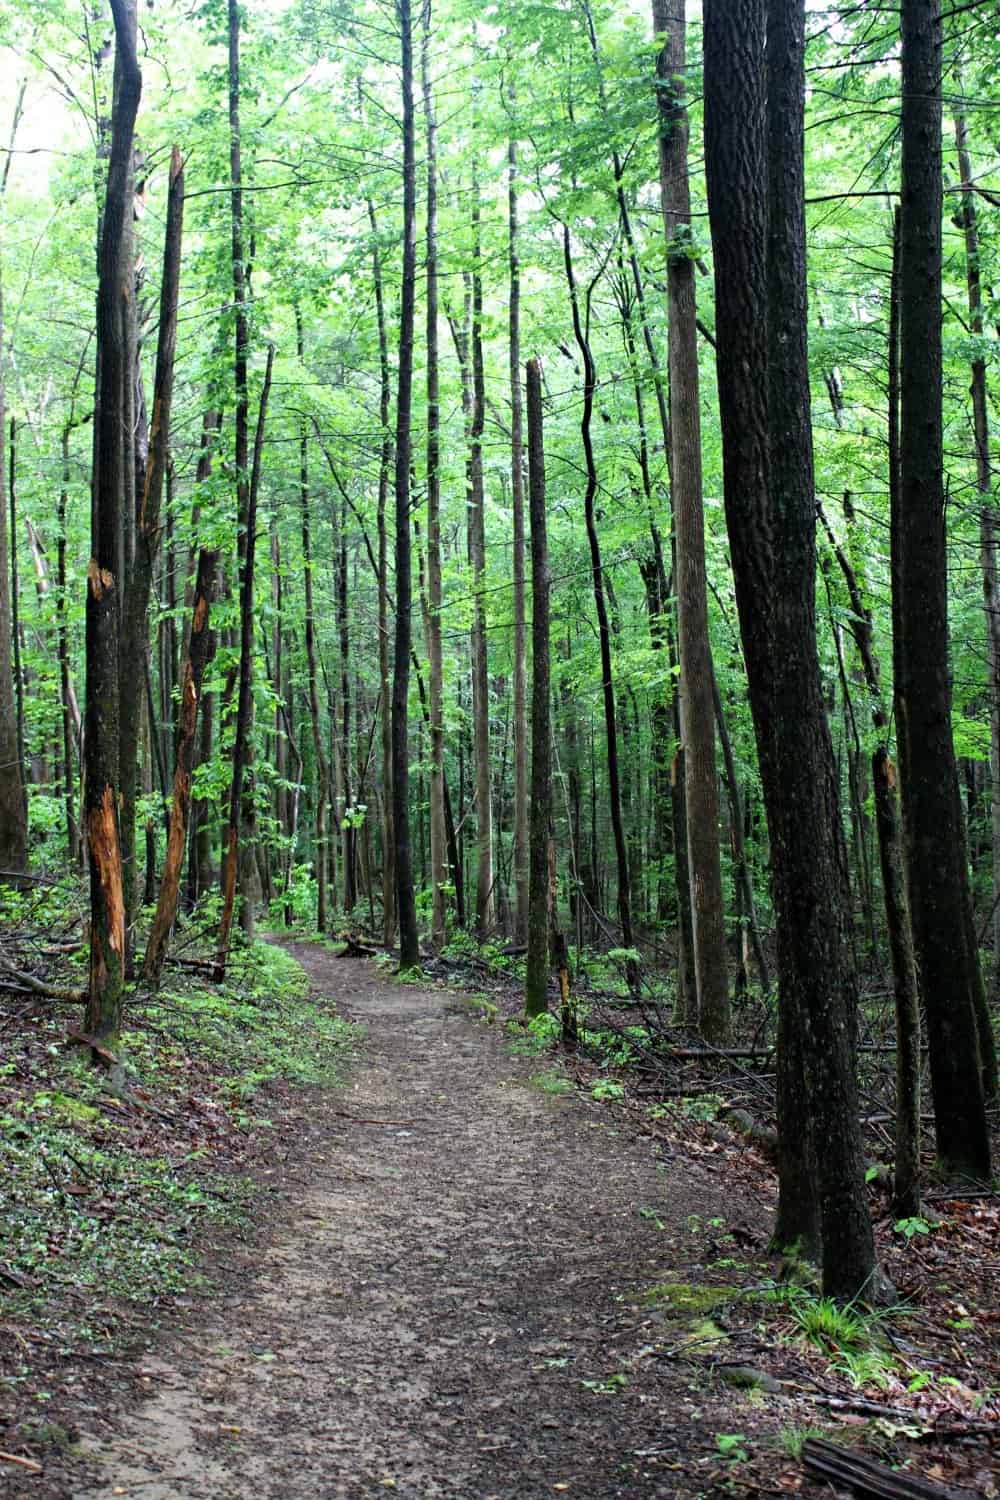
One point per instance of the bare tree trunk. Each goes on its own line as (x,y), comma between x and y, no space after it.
(704,870)
(348,831)
(517,499)
(754,100)
(200,648)
(134,648)
(322,765)
(485,874)
(13,818)
(536,985)
(105,574)
(385,461)
(439,854)
(937,869)
(988,558)
(906,989)
(409,942)
(244,711)
(580,328)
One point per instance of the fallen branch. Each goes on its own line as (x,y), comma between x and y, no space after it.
(33,986)
(864,1476)
(23,1463)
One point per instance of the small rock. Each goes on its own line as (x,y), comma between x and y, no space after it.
(745,1377)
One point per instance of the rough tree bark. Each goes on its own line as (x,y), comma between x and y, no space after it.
(13,819)
(322,766)
(409,942)
(134,647)
(753,143)
(244,707)
(476,508)
(700,784)
(520,683)
(384,465)
(103,1016)
(200,645)
(580,329)
(439,853)
(536,984)
(937,870)
(988,561)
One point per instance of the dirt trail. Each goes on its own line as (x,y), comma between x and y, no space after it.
(424,1322)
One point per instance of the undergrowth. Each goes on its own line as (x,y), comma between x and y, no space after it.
(105,1188)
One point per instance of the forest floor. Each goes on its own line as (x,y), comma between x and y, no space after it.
(474,1280)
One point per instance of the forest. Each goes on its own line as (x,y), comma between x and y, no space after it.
(519,480)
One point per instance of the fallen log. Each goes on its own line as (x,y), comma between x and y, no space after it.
(863,1476)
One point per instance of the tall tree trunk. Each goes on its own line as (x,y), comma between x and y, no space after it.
(754,100)
(15,615)
(517,499)
(348,830)
(13,818)
(476,507)
(385,461)
(536,985)
(937,870)
(409,942)
(439,854)
(242,747)
(581,331)
(322,765)
(70,726)
(700,787)
(906,990)
(105,574)
(200,645)
(988,560)
(134,647)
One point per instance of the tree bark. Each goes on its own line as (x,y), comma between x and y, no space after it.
(244,709)
(476,507)
(409,942)
(604,631)
(521,877)
(439,854)
(991,592)
(200,647)
(13,819)
(536,985)
(134,647)
(937,870)
(385,463)
(700,785)
(754,148)
(105,572)
(906,988)
(322,765)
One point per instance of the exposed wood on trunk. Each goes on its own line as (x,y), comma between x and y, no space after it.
(105,572)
